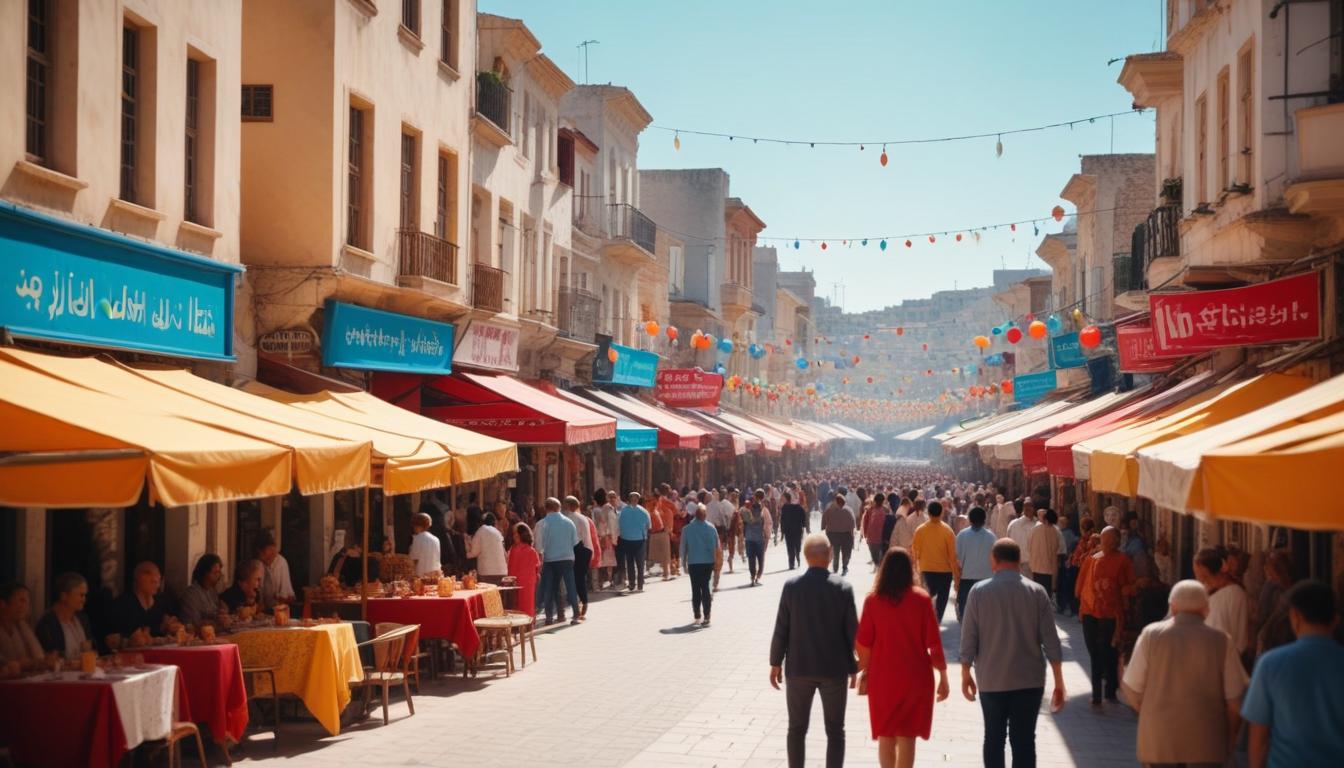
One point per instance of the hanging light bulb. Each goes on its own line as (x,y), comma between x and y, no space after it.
(998,147)
(883,158)
(676,141)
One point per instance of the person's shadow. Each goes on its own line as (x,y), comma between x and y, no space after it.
(682,630)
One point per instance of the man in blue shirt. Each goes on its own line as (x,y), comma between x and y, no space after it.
(1295,705)
(634,523)
(974,545)
(556,538)
(699,545)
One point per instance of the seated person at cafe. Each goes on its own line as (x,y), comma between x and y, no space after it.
(17,641)
(65,629)
(142,606)
(345,564)
(276,586)
(424,545)
(200,600)
(246,589)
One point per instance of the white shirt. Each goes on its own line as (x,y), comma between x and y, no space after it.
(722,513)
(903,532)
(605,519)
(487,546)
(1229,610)
(276,583)
(1043,545)
(998,522)
(852,500)
(425,553)
(1136,671)
(580,521)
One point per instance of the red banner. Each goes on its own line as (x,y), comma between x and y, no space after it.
(1138,349)
(688,388)
(1288,309)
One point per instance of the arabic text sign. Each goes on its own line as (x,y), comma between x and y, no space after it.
(1288,309)
(485,345)
(72,283)
(1138,349)
(373,340)
(1031,388)
(1067,352)
(688,388)
(633,367)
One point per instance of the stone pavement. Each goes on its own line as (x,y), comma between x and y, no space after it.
(637,685)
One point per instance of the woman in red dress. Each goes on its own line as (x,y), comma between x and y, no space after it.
(525,567)
(899,647)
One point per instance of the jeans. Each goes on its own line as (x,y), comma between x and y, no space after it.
(964,594)
(1068,577)
(701,595)
(755,558)
(842,544)
(939,584)
(1011,714)
(793,544)
(1098,633)
(583,556)
(798,693)
(630,558)
(553,574)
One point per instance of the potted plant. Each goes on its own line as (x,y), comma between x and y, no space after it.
(1171,190)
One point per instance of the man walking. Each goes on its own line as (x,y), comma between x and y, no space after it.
(935,550)
(633,524)
(1007,635)
(814,633)
(699,548)
(663,514)
(793,521)
(1103,581)
(1185,680)
(974,545)
(556,539)
(1019,530)
(1043,546)
(583,551)
(838,522)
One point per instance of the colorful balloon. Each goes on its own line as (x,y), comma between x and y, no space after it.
(982,342)
(1014,335)
(672,332)
(651,328)
(1037,330)
(613,355)
(1089,337)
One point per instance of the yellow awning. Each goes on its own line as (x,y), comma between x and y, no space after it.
(475,456)
(322,463)
(1114,466)
(403,464)
(187,462)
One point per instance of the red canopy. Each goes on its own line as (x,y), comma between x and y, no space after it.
(506,408)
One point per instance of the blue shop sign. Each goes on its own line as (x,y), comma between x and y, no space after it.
(1031,388)
(68,282)
(374,340)
(1067,352)
(635,437)
(633,367)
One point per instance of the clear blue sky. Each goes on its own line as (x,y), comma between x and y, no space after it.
(871,69)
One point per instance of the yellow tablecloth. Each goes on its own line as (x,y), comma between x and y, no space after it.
(317,664)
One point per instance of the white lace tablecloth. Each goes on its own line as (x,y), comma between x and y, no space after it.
(146,699)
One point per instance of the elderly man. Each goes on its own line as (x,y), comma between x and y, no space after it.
(838,522)
(632,524)
(556,537)
(425,548)
(1185,680)
(1104,581)
(699,550)
(815,631)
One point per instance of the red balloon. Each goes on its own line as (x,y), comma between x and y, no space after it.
(1007,386)
(1089,337)
(925,346)
(907,243)
(823,245)
(958,237)
(1014,335)
(672,332)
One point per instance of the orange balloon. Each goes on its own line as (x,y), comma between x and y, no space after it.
(982,342)
(1037,329)
(900,331)
(613,355)
(651,328)
(1057,213)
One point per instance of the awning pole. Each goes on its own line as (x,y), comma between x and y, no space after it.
(364,563)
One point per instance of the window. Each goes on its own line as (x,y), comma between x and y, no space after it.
(1224,129)
(409,200)
(526,143)
(130,103)
(1246,113)
(258,101)
(357,212)
(565,160)
(1201,149)
(193,140)
(448,34)
(410,15)
(37,140)
(441,197)
(675,269)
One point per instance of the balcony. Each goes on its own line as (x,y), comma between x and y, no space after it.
(493,100)
(587,215)
(579,311)
(630,235)
(1162,234)
(1158,237)
(736,300)
(1123,277)
(487,288)
(424,255)
(1319,187)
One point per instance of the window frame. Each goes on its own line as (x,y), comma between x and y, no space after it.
(37,94)
(249,101)
(356,232)
(448,33)
(131,70)
(1202,148)
(191,144)
(410,16)
(408,181)
(1246,111)
(1224,86)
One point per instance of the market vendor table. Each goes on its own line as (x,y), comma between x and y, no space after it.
(213,675)
(316,663)
(451,618)
(64,719)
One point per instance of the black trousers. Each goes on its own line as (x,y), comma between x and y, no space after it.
(1011,714)
(1068,577)
(701,595)
(842,545)
(876,551)
(583,556)
(939,584)
(630,558)
(793,544)
(964,594)
(1046,580)
(1098,633)
(799,692)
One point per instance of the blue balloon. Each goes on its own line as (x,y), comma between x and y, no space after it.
(719,369)
(864,241)
(882,245)
(801,363)
(726,346)
(796,246)
(1054,324)
(997,331)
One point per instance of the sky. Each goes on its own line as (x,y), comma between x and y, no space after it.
(871,70)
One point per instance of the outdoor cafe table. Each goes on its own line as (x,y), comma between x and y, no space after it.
(69,719)
(316,664)
(213,675)
(451,618)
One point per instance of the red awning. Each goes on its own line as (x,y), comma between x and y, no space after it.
(673,430)
(774,442)
(723,437)
(504,407)
(802,438)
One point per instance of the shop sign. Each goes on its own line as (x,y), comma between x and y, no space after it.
(374,340)
(1288,309)
(633,438)
(1031,388)
(71,283)
(291,342)
(490,346)
(688,388)
(1067,352)
(1137,346)
(633,367)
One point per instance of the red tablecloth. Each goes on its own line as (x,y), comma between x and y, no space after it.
(213,675)
(55,723)
(446,617)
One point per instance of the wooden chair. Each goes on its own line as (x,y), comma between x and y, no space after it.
(524,625)
(250,686)
(394,651)
(179,732)
(496,631)
(424,649)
